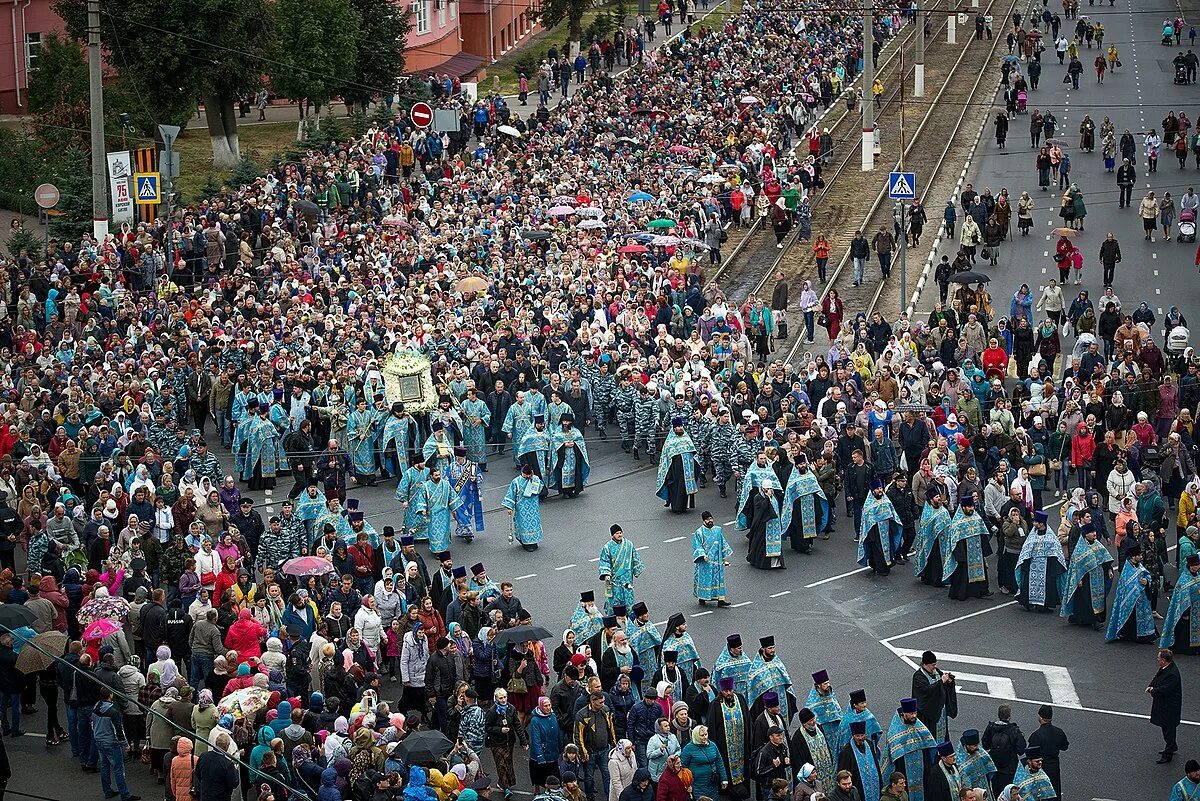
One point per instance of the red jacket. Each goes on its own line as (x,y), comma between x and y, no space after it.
(1083,449)
(245,636)
(995,362)
(51,592)
(670,788)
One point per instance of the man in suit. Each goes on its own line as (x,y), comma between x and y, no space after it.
(1166,708)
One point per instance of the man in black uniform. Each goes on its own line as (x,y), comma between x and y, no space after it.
(1051,740)
(937,699)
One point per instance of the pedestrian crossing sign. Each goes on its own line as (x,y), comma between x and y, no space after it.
(147,184)
(902,186)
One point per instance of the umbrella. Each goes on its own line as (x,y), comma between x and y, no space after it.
(645,237)
(472,283)
(664,241)
(627,249)
(315,565)
(639,197)
(519,634)
(560,211)
(567,199)
(969,277)
(712,178)
(13,616)
(1068,232)
(508,130)
(535,235)
(696,243)
(591,211)
(109,606)
(1057,143)
(1011,59)
(588,225)
(628,140)
(423,747)
(661,223)
(749,100)
(101,628)
(396,221)
(244,703)
(915,408)
(40,652)
(307,208)
(681,149)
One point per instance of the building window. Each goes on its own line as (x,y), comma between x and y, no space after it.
(453,8)
(420,9)
(33,43)
(441,7)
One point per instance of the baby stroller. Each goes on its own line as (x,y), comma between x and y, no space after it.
(1022,102)
(1187,226)
(1181,74)
(1179,353)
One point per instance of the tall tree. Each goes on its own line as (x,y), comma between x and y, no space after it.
(316,46)
(382,31)
(184,49)
(555,11)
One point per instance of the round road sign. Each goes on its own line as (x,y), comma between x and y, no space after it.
(421,115)
(46,196)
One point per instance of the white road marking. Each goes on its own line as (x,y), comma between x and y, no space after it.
(835,578)
(1154,256)
(565,567)
(641,547)
(526,576)
(702,614)
(597,559)
(677,539)
(743,603)
(1156,272)
(785,592)
(949,622)
(1058,678)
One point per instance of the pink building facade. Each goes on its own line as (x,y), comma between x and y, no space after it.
(23,26)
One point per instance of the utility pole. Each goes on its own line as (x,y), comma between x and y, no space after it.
(96,92)
(168,134)
(951,18)
(868,101)
(919,71)
(903,210)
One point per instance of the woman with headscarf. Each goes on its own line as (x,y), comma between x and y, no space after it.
(141,480)
(204,718)
(338,743)
(365,755)
(231,496)
(165,666)
(161,731)
(621,766)
(704,760)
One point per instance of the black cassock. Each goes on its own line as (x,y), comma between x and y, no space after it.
(932,574)
(960,587)
(762,512)
(800,751)
(878,546)
(847,761)
(717,733)
(1082,613)
(1054,570)
(932,700)
(937,787)
(533,461)
(677,495)
(559,457)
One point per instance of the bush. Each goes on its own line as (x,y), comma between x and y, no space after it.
(246,171)
(26,240)
(527,62)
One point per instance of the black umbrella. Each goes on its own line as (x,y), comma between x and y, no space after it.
(423,747)
(307,208)
(970,277)
(519,634)
(13,616)
(535,235)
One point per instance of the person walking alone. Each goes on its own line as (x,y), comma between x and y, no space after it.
(1166,708)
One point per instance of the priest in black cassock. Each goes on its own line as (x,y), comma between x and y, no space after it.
(942,779)
(810,747)
(729,727)
(441,587)
(861,758)
(770,717)
(937,698)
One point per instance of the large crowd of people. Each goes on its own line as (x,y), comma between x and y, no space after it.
(543,280)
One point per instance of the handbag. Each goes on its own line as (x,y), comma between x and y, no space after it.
(1038,469)
(516,686)
(1055,464)
(986,253)
(822,320)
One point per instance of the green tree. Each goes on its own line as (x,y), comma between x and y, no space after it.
(74,182)
(382,31)
(555,11)
(315,43)
(61,76)
(178,51)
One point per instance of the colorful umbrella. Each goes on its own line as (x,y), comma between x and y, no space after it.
(589,225)
(108,606)
(99,629)
(749,100)
(639,197)
(661,223)
(1067,232)
(633,249)
(315,565)
(508,130)
(568,200)
(396,221)
(40,652)
(244,703)
(712,178)
(590,211)
(560,211)
(680,149)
